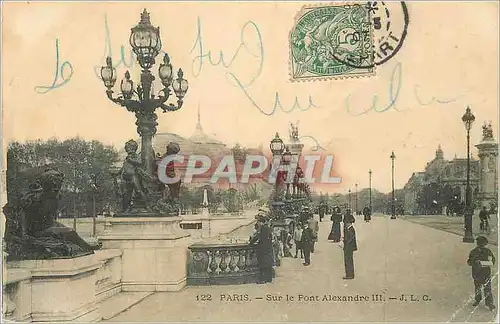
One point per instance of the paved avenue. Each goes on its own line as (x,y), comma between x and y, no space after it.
(404,272)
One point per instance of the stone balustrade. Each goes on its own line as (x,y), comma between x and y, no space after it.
(222,263)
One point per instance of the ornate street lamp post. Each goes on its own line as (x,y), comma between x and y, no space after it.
(287,158)
(277,148)
(148,193)
(370,186)
(468,119)
(141,100)
(393,207)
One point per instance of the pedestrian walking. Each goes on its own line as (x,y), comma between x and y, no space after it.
(481,259)
(349,217)
(484,217)
(350,245)
(297,236)
(367,214)
(322,210)
(336,220)
(306,242)
(314,226)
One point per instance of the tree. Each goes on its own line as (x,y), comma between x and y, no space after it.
(86,166)
(429,199)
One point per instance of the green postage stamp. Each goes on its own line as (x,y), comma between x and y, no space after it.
(331,41)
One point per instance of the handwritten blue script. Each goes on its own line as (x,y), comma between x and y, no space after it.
(245,46)
(109,52)
(253,47)
(434,99)
(60,78)
(394,87)
(395,84)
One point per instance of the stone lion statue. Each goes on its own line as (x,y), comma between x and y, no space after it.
(32,232)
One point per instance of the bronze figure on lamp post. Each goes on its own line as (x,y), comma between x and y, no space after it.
(147,190)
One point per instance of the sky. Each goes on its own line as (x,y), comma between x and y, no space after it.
(420,94)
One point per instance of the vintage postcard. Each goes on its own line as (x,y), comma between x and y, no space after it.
(250,161)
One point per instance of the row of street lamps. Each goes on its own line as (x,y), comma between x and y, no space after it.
(393,198)
(468,119)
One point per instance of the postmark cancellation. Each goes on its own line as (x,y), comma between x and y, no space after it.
(331,41)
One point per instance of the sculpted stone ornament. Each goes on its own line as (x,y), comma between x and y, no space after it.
(32,232)
(294,132)
(142,193)
(487,132)
(174,188)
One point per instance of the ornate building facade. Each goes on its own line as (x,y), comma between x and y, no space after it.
(444,182)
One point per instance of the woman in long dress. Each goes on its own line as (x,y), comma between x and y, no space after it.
(336,220)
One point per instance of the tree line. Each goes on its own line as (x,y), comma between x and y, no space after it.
(86,166)
(90,168)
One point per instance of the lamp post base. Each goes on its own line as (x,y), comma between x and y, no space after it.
(468,239)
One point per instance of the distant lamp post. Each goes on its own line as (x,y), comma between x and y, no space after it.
(393,206)
(468,119)
(370,186)
(349,195)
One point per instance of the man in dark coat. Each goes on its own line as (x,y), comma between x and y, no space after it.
(349,217)
(481,272)
(322,210)
(484,217)
(314,226)
(263,239)
(367,213)
(350,246)
(306,242)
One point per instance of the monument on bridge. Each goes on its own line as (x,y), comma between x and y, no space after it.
(488,174)
(32,232)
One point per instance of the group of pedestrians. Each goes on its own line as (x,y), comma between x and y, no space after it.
(305,235)
(349,243)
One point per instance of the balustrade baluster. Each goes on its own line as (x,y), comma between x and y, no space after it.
(223,263)
(232,261)
(248,259)
(216,264)
(241,260)
(213,262)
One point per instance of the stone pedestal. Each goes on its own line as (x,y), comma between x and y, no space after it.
(488,174)
(61,289)
(154,252)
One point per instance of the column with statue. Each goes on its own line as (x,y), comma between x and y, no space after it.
(296,149)
(488,174)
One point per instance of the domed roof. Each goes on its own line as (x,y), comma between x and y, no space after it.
(161,140)
(199,137)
